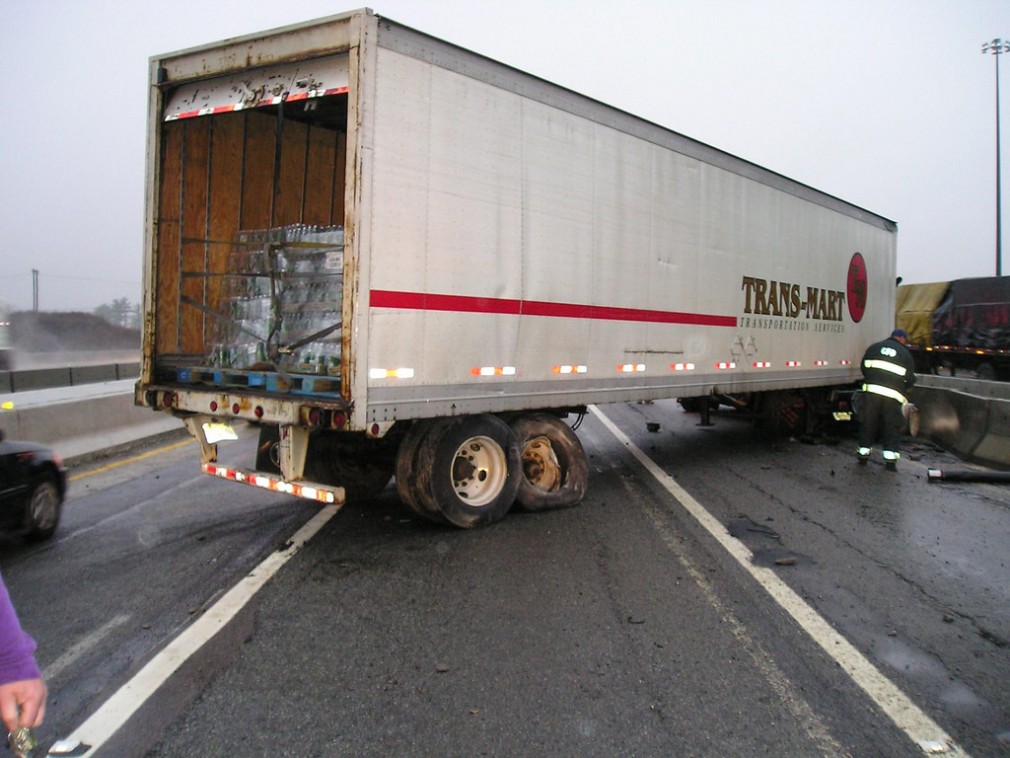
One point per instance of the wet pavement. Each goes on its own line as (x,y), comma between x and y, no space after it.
(619,627)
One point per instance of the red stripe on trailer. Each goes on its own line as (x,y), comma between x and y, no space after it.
(511,307)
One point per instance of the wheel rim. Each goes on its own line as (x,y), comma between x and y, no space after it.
(42,507)
(554,468)
(479,471)
(540,464)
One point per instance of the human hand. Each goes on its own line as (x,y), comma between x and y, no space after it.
(23,703)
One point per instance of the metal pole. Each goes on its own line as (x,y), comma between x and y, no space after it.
(999,203)
(35,290)
(997,47)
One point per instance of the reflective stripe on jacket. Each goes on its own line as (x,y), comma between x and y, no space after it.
(888,369)
(885,391)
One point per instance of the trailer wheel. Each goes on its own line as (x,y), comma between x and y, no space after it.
(985,372)
(362,467)
(781,412)
(555,469)
(407,468)
(470,470)
(268,449)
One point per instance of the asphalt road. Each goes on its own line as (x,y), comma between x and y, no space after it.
(620,627)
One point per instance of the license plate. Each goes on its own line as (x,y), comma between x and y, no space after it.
(218,431)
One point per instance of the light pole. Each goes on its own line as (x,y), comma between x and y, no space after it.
(997,47)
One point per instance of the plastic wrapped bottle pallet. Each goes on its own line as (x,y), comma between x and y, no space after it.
(285,286)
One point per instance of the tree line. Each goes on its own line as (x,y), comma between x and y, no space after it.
(120,312)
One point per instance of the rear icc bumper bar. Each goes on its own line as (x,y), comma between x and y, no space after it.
(308,490)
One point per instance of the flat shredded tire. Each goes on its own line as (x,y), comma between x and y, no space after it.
(555,469)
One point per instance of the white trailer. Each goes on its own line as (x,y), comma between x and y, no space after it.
(398,256)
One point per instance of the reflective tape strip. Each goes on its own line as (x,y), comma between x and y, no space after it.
(894,368)
(876,389)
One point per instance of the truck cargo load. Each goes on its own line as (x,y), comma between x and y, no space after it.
(395,256)
(914,306)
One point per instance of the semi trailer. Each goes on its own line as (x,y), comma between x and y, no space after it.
(959,326)
(397,257)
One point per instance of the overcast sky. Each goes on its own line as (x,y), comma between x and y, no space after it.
(889,104)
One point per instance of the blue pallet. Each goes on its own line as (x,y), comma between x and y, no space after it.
(270,381)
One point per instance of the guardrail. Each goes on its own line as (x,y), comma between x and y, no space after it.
(69,376)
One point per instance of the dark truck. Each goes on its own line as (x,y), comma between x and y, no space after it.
(961,325)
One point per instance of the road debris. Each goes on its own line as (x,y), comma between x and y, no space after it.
(968,475)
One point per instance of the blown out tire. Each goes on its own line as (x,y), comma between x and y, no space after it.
(555,470)
(469,471)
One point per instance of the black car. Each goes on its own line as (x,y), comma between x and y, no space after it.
(33,482)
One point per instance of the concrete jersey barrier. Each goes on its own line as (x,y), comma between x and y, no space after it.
(968,417)
(65,376)
(86,419)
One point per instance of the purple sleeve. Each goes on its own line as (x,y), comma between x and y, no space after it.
(17,660)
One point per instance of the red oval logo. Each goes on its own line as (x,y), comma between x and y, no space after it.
(856,287)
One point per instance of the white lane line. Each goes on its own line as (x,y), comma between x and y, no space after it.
(117,710)
(905,714)
(84,645)
(789,696)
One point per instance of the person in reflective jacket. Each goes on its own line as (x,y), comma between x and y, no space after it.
(888,373)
